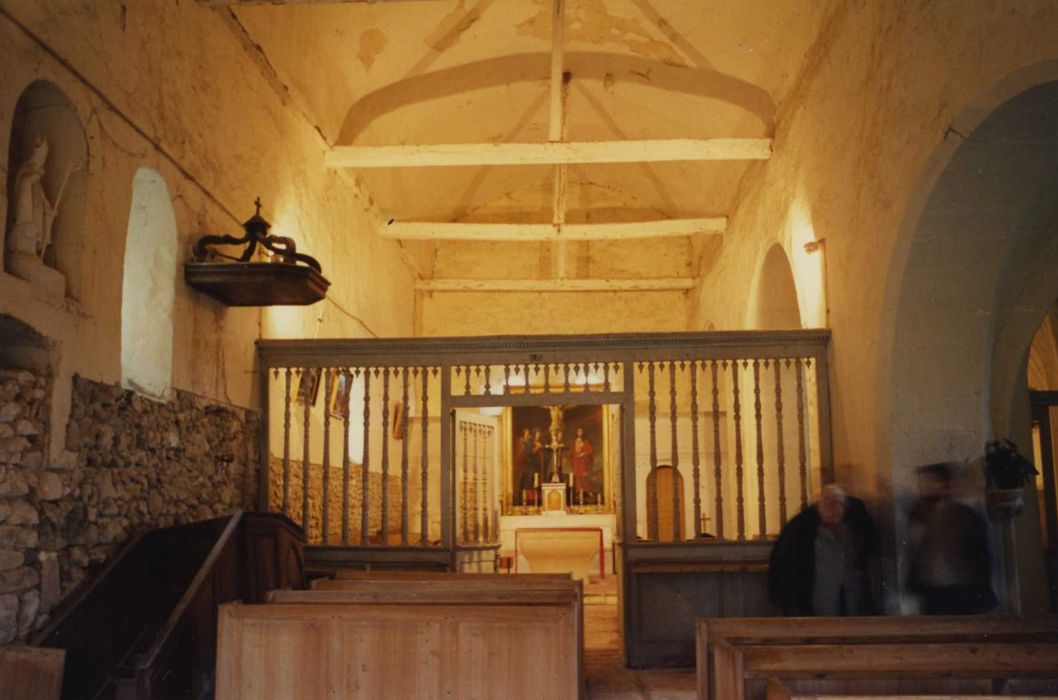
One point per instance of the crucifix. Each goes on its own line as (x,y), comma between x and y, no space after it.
(556,445)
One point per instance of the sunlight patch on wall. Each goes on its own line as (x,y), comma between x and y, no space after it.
(806,253)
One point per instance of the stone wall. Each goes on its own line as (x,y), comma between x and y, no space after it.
(24,486)
(130,463)
(335,497)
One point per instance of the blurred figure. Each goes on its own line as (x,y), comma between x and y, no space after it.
(819,565)
(950,566)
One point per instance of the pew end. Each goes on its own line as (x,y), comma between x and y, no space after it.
(31,673)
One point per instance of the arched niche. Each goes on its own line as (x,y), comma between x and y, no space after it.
(22,347)
(148,287)
(44,112)
(980,274)
(773,304)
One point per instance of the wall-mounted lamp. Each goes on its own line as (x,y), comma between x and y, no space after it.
(816,246)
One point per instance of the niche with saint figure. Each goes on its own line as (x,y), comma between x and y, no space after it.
(46,187)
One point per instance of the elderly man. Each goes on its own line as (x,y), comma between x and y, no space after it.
(819,563)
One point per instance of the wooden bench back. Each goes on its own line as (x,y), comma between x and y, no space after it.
(429,586)
(352,575)
(448,596)
(319,649)
(876,628)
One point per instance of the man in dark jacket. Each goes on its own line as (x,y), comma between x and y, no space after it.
(819,565)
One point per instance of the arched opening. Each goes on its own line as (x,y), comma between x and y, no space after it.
(46,188)
(979,276)
(22,346)
(1042,376)
(773,304)
(148,287)
(1043,355)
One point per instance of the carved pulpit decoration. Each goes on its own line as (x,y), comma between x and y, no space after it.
(290,278)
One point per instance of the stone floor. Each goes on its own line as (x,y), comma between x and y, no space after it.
(609,680)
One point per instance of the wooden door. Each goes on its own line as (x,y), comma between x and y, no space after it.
(665,508)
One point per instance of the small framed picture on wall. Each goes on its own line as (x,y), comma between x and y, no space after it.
(308,386)
(341,386)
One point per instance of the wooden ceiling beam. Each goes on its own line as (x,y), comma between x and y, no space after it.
(552,153)
(671,284)
(433,231)
(237,3)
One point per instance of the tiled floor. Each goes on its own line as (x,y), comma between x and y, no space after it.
(609,680)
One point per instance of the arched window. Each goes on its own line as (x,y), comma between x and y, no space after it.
(148,287)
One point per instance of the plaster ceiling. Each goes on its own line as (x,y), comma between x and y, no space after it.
(470,71)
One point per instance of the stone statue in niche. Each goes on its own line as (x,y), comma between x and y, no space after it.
(31,230)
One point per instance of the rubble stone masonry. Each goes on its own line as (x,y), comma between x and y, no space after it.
(129,463)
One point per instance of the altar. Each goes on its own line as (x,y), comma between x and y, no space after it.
(581,544)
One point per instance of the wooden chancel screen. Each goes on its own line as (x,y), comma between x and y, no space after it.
(718,438)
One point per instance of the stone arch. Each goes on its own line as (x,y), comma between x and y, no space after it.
(1043,355)
(773,302)
(974,273)
(43,111)
(149,287)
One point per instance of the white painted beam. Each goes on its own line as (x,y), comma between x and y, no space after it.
(469,154)
(430,231)
(672,284)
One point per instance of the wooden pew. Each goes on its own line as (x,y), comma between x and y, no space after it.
(407,639)
(762,648)
(778,691)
